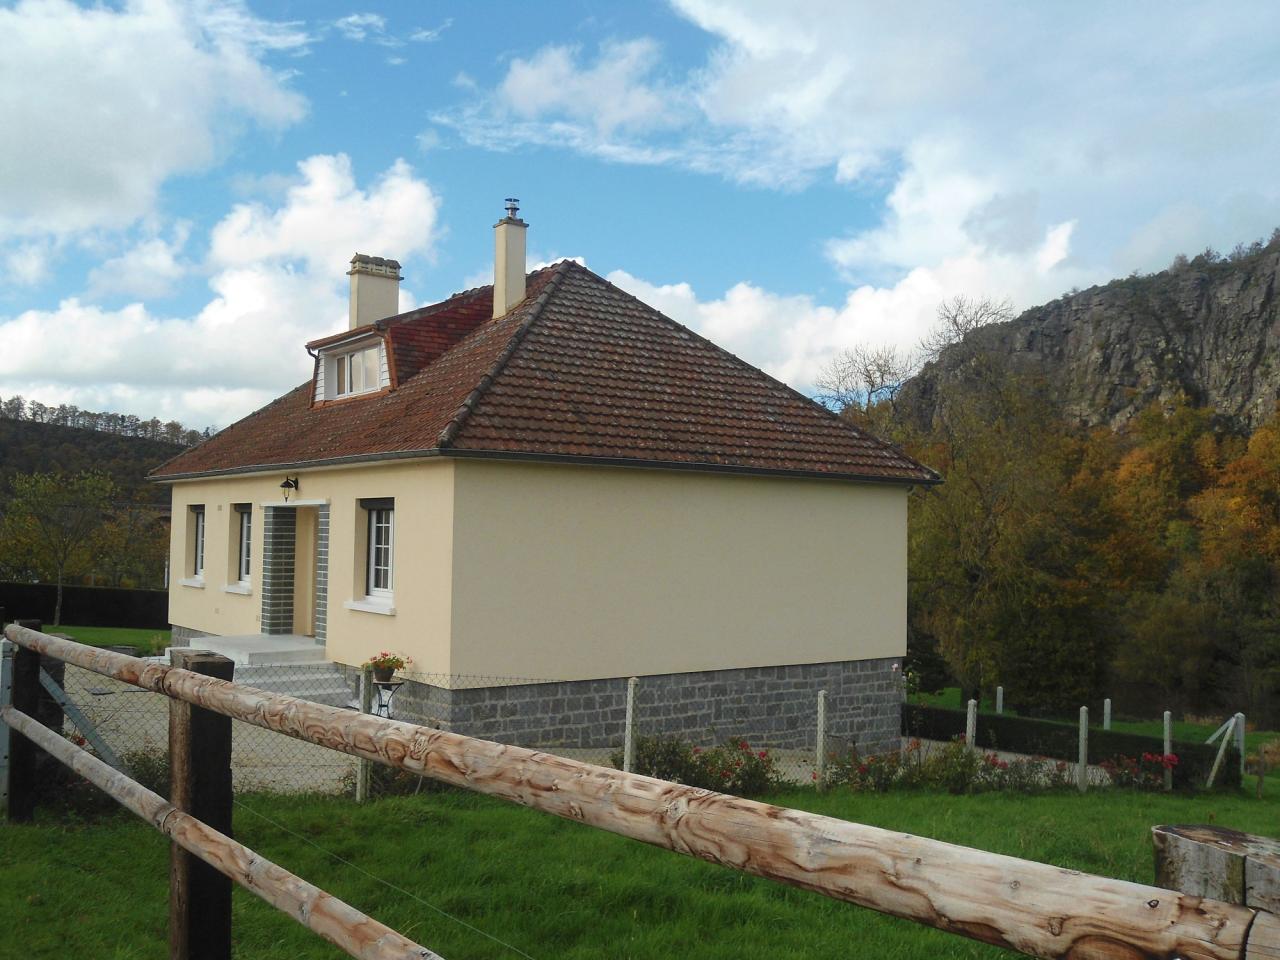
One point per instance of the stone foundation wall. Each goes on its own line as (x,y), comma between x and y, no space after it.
(775,707)
(182,636)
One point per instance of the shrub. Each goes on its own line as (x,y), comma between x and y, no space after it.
(952,767)
(1145,773)
(733,767)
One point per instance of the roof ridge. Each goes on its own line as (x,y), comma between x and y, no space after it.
(451,429)
(809,401)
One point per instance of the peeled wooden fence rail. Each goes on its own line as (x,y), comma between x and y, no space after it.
(1034,908)
(340,924)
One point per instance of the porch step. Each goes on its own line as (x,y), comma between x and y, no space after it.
(322,682)
(260,648)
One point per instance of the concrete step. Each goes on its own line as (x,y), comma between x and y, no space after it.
(258,648)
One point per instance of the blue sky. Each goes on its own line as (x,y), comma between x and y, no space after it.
(183,183)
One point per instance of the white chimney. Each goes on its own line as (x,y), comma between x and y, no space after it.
(508,259)
(375,289)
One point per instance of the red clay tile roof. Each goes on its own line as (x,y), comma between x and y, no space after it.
(580,370)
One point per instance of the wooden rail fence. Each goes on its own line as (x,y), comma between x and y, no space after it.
(1033,908)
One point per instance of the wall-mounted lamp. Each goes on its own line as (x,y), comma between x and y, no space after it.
(290,485)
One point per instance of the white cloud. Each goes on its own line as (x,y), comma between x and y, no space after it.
(326,217)
(278,279)
(175,74)
(1026,149)
(616,91)
(149,269)
(361,26)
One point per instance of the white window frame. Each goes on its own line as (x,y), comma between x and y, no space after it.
(245,553)
(340,369)
(377,516)
(197,553)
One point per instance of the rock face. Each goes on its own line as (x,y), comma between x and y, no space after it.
(1209,331)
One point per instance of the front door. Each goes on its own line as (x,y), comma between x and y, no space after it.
(304,581)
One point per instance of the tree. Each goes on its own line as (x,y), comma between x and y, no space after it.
(54,517)
(960,316)
(863,376)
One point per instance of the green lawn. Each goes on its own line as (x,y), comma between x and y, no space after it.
(148,642)
(550,887)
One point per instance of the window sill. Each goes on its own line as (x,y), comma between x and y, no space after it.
(370,605)
(197,582)
(241,588)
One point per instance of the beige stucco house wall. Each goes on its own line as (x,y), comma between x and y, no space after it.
(567,572)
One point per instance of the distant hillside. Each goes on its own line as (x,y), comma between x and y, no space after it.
(28,447)
(1208,328)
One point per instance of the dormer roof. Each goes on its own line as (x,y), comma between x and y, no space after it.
(579,371)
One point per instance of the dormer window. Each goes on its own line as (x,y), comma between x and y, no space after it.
(347,373)
(355,372)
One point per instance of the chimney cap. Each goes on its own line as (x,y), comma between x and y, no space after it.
(377,266)
(513,207)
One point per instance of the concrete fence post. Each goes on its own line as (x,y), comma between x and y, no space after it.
(629,730)
(1106,714)
(364,768)
(971,725)
(1168,748)
(1240,743)
(820,742)
(999,699)
(1082,776)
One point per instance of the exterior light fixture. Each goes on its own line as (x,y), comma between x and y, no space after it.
(290,485)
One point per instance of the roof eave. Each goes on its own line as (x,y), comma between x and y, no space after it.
(694,466)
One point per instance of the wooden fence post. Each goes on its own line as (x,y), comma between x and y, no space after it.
(1168,748)
(820,743)
(999,699)
(1082,774)
(6,690)
(629,729)
(363,767)
(199,784)
(971,725)
(1106,714)
(1220,864)
(1222,750)
(24,694)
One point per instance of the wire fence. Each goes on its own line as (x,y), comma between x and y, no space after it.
(583,720)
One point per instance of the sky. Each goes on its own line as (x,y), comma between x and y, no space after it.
(182,185)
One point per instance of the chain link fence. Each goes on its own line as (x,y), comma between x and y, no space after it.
(583,720)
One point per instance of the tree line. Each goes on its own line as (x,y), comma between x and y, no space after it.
(121,424)
(77,528)
(1067,564)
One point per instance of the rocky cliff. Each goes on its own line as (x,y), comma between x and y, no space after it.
(1209,330)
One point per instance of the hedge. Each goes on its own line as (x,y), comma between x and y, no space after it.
(87,606)
(1061,741)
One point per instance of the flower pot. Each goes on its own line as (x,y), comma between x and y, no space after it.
(383,674)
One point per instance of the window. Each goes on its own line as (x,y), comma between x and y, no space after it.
(245,510)
(381,551)
(197,542)
(356,372)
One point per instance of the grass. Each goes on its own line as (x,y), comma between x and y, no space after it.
(550,887)
(148,642)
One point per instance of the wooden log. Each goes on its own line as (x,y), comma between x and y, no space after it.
(1264,938)
(1219,863)
(199,784)
(1038,909)
(338,922)
(24,756)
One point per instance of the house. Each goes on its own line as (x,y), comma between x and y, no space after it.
(546,478)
